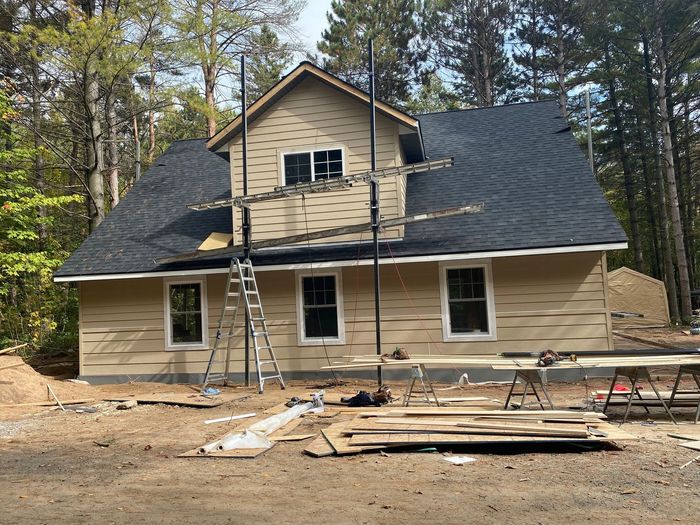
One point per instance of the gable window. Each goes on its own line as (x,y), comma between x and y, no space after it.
(320,308)
(468,308)
(185,315)
(309,166)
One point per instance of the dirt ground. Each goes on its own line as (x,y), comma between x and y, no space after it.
(52,470)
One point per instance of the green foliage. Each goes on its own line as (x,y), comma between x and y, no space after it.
(269,60)
(433,96)
(393,27)
(28,298)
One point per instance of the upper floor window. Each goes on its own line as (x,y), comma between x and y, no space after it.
(312,165)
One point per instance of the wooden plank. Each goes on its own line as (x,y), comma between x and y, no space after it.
(187,400)
(319,447)
(694,445)
(340,443)
(49,403)
(517,414)
(12,348)
(505,431)
(291,437)
(234,453)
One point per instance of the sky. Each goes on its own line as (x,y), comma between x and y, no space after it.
(312,22)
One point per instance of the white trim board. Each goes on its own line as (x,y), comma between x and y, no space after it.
(362,262)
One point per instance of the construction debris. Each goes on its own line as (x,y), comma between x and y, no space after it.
(420,427)
(126,405)
(228,419)
(257,438)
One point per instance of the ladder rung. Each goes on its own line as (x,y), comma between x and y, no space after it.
(251,292)
(233,294)
(231,307)
(276,376)
(257,318)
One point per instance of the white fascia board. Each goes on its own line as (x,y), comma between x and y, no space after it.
(361,262)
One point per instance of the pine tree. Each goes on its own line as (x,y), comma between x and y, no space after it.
(468,39)
(269,58)
(392,26)
(528,47)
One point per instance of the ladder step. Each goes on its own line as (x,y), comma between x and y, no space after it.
(276,376)
(251,292)
(257,318)
(270,362)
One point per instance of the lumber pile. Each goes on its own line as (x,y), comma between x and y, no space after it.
(413,427)
(646,398)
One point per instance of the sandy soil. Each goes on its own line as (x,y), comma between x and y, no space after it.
(52,471)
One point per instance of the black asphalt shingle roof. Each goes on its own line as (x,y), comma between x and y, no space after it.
(521,160)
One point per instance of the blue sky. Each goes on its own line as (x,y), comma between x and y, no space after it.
(312,22)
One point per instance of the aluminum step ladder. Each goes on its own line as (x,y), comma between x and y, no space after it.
(242,285)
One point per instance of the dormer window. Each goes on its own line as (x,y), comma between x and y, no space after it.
(307,166)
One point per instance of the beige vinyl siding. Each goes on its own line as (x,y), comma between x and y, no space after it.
(548,301)
(315,116)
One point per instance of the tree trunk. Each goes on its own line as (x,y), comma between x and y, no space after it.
(38,139)
(561,70)
(151,115)
(678,239)
(669,276)
(93,146)
(627,172)
(113,171)
(656,264)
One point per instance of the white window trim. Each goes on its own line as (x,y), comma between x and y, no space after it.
(317,341)
(447,334)
(169,345)
(320,147)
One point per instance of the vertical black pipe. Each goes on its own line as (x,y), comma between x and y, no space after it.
(374,207)
(245,211)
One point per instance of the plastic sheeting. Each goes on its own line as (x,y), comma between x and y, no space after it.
(255,436)
(634,292)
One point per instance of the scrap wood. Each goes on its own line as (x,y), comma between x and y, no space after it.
(341,443)
(516,414)
(53,394)
(319,447)
(693,445)
(291,437)
(12,348)
(15,365)
(49,403)
(687,437)
(476,428)
(187,400)
(233,453)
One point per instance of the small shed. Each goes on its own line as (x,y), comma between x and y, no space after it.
(636,299)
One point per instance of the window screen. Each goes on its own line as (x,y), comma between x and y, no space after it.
(185,313)
(320,307)
(467,301)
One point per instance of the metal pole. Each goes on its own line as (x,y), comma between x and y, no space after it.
(590,135)
(245,211)
(374,207)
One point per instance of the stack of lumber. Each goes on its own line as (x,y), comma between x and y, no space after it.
(425,427)
(647,398)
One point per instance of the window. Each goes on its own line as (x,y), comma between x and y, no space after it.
(298,167)
(185,315)
(320,308)
(467,302)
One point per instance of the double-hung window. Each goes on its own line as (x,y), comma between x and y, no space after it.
(320,308)
(185,315)
(468,309)
(309,166)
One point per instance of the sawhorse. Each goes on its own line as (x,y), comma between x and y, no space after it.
(694,371)
(419,373)
(532,379)
(635,374)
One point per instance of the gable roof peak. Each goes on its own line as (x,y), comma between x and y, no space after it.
(304,70)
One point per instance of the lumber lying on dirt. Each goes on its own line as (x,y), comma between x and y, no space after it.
(420,427)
